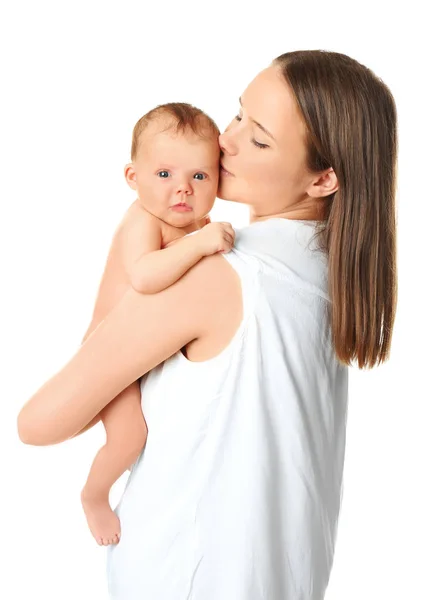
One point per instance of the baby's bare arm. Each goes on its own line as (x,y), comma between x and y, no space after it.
(155,271)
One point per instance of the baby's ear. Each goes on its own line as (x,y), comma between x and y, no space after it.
(130,176)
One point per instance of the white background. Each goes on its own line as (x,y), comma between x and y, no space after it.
(75,77)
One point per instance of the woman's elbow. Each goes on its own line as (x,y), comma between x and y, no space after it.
(32,433)
(26,432)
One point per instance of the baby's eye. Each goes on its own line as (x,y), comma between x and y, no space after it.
(163,174)
(202,176)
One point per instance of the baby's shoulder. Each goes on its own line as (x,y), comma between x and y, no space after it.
(138,218)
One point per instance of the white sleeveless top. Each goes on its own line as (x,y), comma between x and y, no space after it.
(236,495)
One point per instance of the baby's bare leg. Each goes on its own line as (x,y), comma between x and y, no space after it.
(126,434)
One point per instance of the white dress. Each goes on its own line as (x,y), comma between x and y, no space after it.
(236,495)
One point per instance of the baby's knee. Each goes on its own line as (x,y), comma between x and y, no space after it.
(131,441)
(137,439)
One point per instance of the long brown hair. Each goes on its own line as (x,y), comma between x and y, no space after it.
(351,119)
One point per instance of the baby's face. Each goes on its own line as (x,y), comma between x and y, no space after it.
(176,175)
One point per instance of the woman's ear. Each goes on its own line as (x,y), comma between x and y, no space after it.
(325,184)
(130,176)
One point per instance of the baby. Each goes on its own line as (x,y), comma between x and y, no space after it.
(174,169)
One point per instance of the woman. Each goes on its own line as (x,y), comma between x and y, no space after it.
(237,492)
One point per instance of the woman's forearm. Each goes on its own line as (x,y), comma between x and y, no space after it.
(140,332)
(94,323)
(157,270)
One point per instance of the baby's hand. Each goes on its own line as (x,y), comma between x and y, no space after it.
(215,237)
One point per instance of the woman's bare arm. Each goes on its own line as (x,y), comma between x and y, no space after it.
(139,333)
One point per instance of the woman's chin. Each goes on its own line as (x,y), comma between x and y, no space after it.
(224,191)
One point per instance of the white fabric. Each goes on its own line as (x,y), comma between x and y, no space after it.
(236,495)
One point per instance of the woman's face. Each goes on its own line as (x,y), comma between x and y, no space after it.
(264,151)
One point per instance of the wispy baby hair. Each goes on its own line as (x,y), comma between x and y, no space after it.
(183,116)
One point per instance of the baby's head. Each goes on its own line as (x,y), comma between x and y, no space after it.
(175,161)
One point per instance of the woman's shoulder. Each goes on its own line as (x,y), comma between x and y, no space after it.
(286,250)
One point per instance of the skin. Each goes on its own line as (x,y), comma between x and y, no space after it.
(275,183)
(161,182)
(168,169)
(272,180)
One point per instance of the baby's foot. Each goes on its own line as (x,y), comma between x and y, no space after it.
(102,521)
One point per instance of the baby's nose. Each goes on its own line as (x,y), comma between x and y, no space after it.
(185,188)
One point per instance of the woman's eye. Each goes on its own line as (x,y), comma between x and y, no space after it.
(163,174)
(259,145)
(202,176)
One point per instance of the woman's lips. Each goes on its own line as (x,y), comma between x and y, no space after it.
(225,172)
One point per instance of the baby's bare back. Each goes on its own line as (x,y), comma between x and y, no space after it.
(125,249)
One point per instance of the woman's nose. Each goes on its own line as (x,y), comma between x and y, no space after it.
(226,143)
